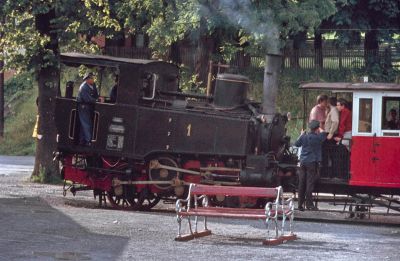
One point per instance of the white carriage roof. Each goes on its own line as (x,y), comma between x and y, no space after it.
(346,86)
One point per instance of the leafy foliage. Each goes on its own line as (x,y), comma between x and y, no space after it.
(21,109)
(25,48)
(254,25)
(20,83)
(356,16)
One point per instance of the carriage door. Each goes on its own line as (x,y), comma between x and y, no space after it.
(366,119)
(388,141)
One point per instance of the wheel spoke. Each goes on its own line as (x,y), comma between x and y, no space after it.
(148,200)
(119,202)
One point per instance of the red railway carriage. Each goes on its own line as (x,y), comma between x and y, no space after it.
(372,165)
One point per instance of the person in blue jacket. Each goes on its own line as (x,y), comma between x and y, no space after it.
(310,158)
(87,97)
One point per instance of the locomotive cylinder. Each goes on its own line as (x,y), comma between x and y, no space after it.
(248,178)
(230,90)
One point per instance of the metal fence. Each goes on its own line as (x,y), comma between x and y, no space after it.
(338,58)
(307,58)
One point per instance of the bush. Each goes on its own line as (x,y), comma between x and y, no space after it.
(17,84)
(20,97)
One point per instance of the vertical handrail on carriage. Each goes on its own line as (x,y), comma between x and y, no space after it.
(95,130)
(72,124)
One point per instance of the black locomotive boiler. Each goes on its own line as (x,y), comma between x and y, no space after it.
(155,139)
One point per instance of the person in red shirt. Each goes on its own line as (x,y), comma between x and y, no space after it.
(345,122)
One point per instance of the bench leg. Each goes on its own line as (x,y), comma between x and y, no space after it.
(190,225)
(195,224)
(267,221)
(276,228)
(192,235)
(283,224)
(179,219)
(291,219)
(271,241)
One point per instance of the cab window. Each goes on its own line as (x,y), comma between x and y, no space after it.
(365,115)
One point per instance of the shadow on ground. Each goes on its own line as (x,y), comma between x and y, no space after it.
(30,229)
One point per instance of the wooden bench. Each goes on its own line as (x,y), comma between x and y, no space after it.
(278,209)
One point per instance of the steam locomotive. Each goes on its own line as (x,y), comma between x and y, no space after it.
(155,139)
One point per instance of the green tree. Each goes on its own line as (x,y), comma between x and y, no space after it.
(33,33)
(375,18)
(1,87)
(253,26)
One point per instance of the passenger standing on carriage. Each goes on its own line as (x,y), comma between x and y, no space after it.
(318,113)
(310,158)
(332,118)
(87,97)
(345,123)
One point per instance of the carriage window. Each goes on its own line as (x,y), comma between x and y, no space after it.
(390,113)
(365,115)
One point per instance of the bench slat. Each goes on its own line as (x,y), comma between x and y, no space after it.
(233,212)
(234,191)
(226,215)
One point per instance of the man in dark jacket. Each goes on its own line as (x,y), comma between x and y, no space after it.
(310,158)
(87,97)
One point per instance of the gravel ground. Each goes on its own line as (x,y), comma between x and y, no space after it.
(38,223)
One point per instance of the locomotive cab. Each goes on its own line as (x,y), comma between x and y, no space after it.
(139,82)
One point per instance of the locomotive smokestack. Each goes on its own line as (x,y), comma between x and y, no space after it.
(273,63)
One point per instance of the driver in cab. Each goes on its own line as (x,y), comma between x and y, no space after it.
(87,97)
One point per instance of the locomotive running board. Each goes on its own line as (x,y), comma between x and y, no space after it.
(174,182)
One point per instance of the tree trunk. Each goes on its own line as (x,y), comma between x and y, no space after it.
(1,89)
(318,60)
(1,100)
(203,54)
(48,89)
(298,41)
(176,53)
(273,64)
(371,48)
